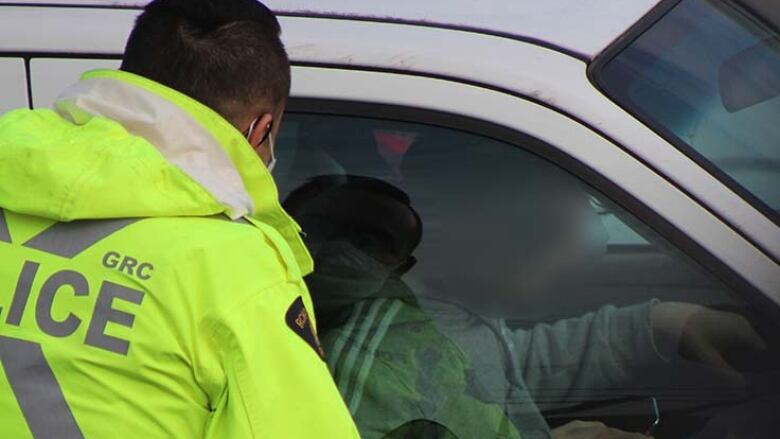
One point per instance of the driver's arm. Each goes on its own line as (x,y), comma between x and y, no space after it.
(599,350)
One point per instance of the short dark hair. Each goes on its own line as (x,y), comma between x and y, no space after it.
(226,54)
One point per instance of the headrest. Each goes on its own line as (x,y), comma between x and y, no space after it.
(372,215)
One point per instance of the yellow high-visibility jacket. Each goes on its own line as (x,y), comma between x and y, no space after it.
(150,283)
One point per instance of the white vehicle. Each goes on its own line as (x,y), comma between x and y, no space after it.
(666,113)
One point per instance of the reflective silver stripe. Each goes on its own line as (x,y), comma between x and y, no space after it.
(5,234)
(352,356)
(104,313)
(335,356)
(181,139)
(70,239)
(37,391)
(56,328)
(22,293)
(368,361)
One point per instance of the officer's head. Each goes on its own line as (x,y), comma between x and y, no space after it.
(226,54)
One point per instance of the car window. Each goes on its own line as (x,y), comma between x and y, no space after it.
(466,288)
(707,75)
(13,92)
(50,76)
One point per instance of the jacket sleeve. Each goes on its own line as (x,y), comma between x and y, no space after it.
(410,382)
(599,353)
(276,381)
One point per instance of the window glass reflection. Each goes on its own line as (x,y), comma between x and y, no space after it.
(465,288)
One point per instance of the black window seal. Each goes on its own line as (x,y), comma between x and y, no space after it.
(594,73)
(682,242)
(28,83)
(26,67)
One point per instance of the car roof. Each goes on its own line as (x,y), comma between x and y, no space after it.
(583,28)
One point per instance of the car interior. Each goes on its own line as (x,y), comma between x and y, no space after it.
(460,183)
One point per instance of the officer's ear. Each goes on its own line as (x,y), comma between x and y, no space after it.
(262,127)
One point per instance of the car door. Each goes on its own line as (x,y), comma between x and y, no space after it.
(487,267)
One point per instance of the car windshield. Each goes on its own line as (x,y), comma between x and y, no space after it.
(707,77)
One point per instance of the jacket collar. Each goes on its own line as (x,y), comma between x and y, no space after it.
(192,137)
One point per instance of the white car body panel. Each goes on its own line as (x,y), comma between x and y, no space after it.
(99,31)
(584,28)
(12,72)
(52,76)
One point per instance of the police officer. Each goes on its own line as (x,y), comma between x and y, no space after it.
(150,282)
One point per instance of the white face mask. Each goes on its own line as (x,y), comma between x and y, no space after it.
(272,163)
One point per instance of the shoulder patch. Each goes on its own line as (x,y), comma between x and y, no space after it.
(298,320)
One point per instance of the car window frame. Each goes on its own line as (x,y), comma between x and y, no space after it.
(37,70)
(686,245)
(594,73)
(28,57)
(26,73)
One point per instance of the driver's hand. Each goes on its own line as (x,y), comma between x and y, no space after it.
(592,430)
(705,335)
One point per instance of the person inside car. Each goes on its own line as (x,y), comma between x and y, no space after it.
(410,359)
(362,233)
